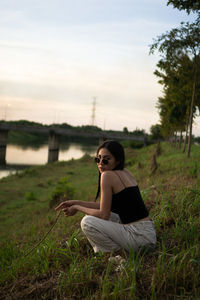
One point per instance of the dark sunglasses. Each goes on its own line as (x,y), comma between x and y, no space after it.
(105,161)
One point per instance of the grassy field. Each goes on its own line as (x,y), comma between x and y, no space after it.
(64,265)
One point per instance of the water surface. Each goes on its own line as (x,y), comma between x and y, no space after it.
(18,157)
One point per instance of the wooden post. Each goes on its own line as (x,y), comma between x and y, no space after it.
(3,145)
(53,146)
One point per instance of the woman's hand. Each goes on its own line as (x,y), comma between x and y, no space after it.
(65,204)
(70,211)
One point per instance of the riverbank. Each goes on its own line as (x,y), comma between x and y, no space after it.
(64,266)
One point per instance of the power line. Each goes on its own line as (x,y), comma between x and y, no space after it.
(93,117)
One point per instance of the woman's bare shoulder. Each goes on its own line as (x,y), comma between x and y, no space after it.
(108,174)
(107,178)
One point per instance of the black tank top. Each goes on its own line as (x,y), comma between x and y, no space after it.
(128,204)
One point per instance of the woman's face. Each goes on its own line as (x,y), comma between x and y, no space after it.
(104,156)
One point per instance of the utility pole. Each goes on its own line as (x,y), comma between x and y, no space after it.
(93,117)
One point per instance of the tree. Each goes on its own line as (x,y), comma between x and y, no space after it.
(155,131)
(139,132)
(188,5)
(175,44)
(125,130)
(174,105)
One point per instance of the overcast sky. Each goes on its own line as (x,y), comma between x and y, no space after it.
(57,56)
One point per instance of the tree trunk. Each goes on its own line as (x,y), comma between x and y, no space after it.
(185,142)
(191,115)
(180,140)
(175,139)
(186,135)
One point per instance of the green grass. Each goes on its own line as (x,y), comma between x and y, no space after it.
(64,265)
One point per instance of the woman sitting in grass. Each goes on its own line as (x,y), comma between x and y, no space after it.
(120,220)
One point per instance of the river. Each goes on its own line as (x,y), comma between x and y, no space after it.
(18,157)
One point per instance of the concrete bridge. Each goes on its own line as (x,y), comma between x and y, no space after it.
(54,134)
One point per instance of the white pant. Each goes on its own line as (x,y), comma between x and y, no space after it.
(112,235)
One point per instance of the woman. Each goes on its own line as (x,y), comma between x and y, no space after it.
(120,220)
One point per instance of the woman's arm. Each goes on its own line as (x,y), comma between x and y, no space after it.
(103,211)
(69,203)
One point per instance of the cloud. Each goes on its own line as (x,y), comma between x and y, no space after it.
(8,16)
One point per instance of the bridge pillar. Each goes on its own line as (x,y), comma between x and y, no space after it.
(3,145)
(53,146)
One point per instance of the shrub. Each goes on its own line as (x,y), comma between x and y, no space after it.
(194,171)
(30,196)
(133,144)
(63,191)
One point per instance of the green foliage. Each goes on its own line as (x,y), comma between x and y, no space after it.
(155,131)
(197,139)
(72,246)
(8,251)
(30,171)
(125,130)
(25,139)
(132,144)
(89,128)
(30,196)
(175,104)
(188,5)
(139,132)
(63,191)
(194,170)
(179,73)
(86,158)
(21,122)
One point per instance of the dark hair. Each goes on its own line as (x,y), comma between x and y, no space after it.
(117,151)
